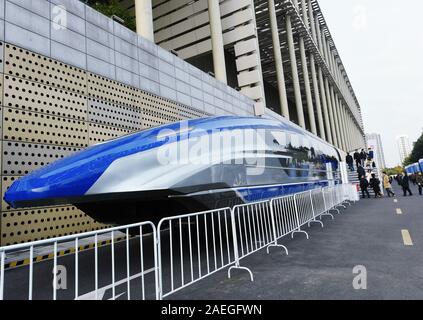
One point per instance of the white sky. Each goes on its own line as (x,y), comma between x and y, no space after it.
(381,46)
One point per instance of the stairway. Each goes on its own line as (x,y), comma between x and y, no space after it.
(353,178)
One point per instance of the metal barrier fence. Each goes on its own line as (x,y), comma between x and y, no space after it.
(192,247)
(144,263)
(121,258)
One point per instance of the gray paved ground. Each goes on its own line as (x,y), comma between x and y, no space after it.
(368,234)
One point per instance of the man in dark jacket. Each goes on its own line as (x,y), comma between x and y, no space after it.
(361,172)
(364,184)
(375,184)
(357,158)
(350,162)
(363,157)
(405,183)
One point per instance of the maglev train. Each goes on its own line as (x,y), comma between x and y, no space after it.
(183,167)
(413,168)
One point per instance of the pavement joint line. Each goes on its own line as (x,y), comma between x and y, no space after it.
(406,237)
(399,211)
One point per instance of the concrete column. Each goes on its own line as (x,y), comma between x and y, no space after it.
(341,123)
(338,127)
(330,111)
(295,78)
(325,106)
(144,19)
(325,49)
(283,100)
(304,11)
(312,22)
(348,132)
(307,86)
(319,37)
(329,53)
(217,41)
(317,97)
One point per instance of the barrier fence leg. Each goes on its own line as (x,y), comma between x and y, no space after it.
(158,269)
(298,230)
(275,243)
(236,254)
(326,213)
(159,283)
(314,214)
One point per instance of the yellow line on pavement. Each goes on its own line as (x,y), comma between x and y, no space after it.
(406,238)
(399,211)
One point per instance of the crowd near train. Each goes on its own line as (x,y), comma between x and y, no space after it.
(362,161)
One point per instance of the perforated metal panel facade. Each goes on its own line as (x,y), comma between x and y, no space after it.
(50,110)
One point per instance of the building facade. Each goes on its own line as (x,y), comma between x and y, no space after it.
(279,53)
(72,77)
(374,141)
(404,147)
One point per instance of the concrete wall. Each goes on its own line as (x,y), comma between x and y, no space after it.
(80,36)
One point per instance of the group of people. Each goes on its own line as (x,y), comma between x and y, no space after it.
(365,164)
(405,179)
(361,158)
(370,180)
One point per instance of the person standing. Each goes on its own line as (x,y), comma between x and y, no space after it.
(371,154)
(350,161)
(375,184)
(405,183)
(364,184)
(387,185)
(357,158)
(361,172)
(363,157)
(419,181)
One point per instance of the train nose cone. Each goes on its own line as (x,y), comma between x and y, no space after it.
(54,184)
(38,188)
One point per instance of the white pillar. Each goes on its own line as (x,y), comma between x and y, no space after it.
(283,100)
(309,98)
(312,22)
(295,78)
(325,106)
(330,111)
(144,19)
(347,131)
(217,41)
(336,118)
(340,123)
(317,97)
(319,37)
(304,11)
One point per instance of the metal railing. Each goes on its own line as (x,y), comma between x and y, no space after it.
(142,262)
(192,247)
(136,260)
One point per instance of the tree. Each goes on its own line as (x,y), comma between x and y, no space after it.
(113,7)
(394,171)
(416,154)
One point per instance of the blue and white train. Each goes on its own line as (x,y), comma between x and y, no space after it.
(413,168)
(182,167)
